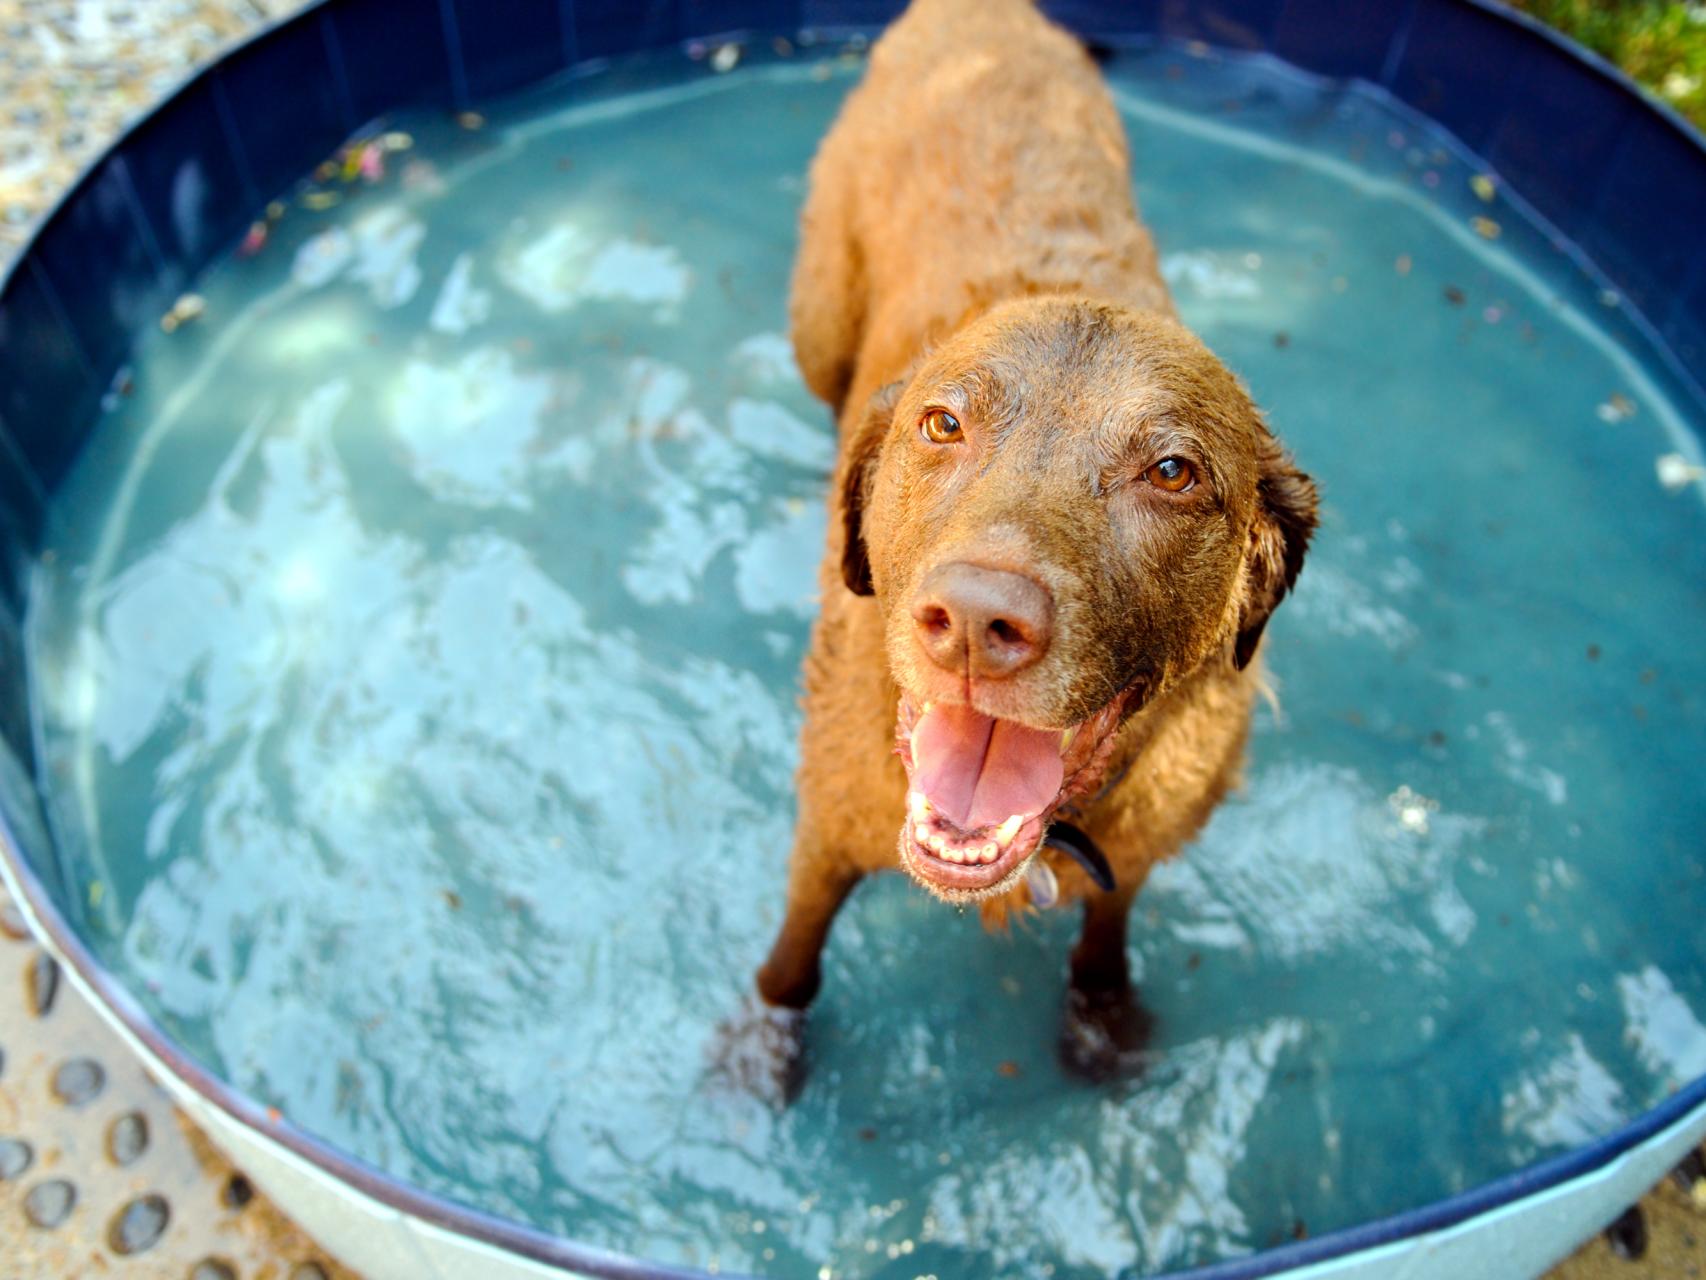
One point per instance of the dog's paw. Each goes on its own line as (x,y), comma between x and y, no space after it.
(1104,1034)
(761,1051)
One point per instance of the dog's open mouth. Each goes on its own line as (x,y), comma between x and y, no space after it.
(981,791)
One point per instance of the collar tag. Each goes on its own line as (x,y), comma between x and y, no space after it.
(1040,883)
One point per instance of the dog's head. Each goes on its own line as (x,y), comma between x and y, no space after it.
(1061,511)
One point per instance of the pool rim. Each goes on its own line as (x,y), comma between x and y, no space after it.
(119,1007)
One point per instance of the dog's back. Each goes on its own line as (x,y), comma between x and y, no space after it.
(980,159)
(1058,524)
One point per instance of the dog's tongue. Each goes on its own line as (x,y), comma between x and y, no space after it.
(977,770)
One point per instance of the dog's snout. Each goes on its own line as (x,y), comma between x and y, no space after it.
(985,623)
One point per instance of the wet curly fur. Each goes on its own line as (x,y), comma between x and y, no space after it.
(970,237)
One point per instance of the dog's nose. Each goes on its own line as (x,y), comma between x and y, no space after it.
(985,623)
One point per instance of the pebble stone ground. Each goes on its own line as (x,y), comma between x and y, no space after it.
(75,72)
(99,1174)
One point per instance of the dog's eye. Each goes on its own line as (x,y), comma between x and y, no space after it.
(1175,475)
(940,427)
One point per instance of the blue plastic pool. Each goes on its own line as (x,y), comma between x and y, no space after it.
(412,638)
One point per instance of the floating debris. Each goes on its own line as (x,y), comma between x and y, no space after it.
(422,175)
(187,308)
(1486,228)
(1411,810)
(1616,408)
(1676,472)
(1430,179)
(1455,296)
(1492,313)
(470,120)
(362,160)
(783,47)
(254,240)
(320,200)
(1403,264)
(1484,187)
(1609,298)
(396,140)
(725,58)
(275,210)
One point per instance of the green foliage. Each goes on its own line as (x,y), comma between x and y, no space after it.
(1660,43)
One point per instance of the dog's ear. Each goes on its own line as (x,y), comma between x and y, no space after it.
(858,466)
(1285,518)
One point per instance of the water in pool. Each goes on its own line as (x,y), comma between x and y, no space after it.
(417,653)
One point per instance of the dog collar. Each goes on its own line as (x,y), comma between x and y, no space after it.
(1075,844)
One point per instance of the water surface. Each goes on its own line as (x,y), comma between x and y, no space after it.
(416,660)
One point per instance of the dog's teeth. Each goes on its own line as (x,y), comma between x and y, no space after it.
(954,855)
(918,804)
(988,853)
(921,832)
(936,843)
(1007,830)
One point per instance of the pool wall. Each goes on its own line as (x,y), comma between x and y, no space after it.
(1620,181)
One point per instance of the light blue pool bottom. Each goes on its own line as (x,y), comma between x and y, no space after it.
(436,638)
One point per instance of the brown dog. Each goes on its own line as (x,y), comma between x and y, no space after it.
(1058,525)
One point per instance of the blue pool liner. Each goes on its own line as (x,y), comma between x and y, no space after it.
(1617,176)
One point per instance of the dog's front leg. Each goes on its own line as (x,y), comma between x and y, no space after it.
(762,1050)
(818,883)
(1106,1028)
